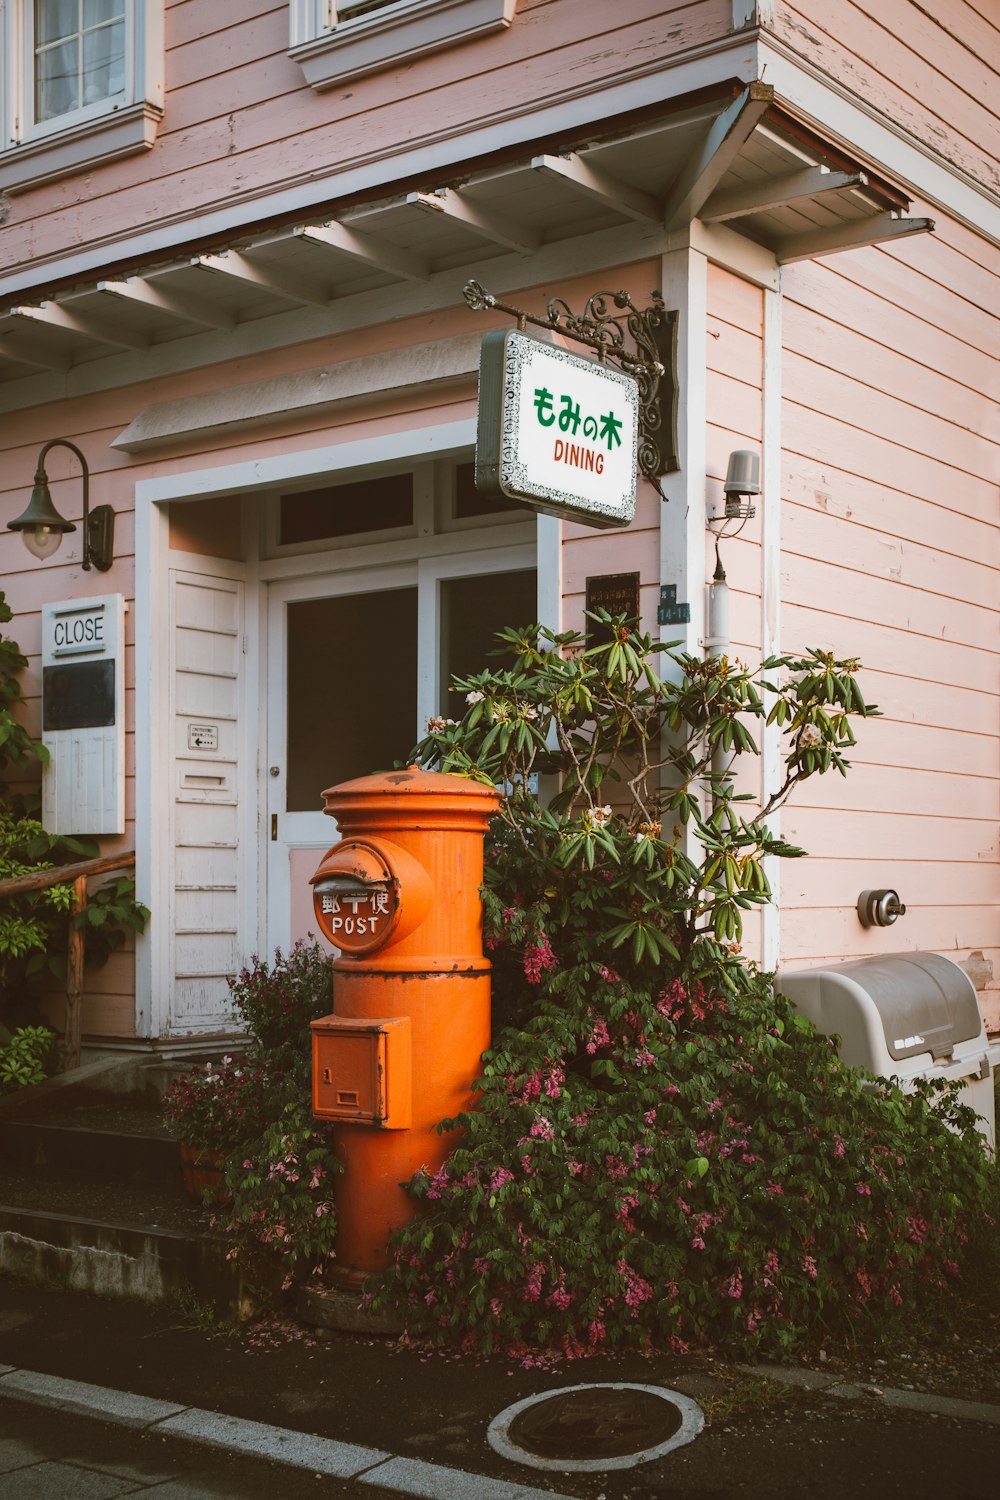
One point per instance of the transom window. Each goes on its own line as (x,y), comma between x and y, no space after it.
(79,55)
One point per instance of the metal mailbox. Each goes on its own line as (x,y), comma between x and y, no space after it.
(904,1016)
(362,1071)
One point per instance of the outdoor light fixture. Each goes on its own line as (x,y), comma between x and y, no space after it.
(742,480)
(41,526)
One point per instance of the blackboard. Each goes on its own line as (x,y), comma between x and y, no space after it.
(79,696)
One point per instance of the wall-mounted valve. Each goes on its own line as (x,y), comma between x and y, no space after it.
(879,908)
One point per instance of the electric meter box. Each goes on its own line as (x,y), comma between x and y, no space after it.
(904,1016)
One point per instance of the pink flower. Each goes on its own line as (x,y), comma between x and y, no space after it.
(809,1266)
(533,1286)
(734,1286)
(637,1291)
(537,958)
(863,1189)
(599,1037)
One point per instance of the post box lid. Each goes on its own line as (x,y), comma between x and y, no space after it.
(411,798)
(414,781)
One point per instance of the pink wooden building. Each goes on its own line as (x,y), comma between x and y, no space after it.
(231,266)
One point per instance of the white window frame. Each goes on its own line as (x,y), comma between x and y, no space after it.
(332,47)
(33,152)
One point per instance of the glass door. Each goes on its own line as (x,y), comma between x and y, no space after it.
(342,702)
(357,663)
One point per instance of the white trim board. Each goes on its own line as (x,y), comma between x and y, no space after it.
(308,463)
(771,764)
(305,392)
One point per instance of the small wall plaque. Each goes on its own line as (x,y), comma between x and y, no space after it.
(203,736)
(618,593)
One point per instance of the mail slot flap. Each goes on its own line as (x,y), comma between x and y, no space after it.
(923,1001)
(352,862)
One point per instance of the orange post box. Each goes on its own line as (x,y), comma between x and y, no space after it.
(399,896)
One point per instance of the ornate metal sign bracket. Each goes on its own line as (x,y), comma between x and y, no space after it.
(642,342)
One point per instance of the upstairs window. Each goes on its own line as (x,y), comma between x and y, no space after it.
(334,40)
(78,52)
(81,82)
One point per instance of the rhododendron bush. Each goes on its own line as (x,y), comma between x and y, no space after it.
(662,1152)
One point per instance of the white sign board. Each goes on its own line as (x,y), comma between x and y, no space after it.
(557,431)
(83,715)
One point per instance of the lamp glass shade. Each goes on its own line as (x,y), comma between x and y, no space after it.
(42,541)
(41,511)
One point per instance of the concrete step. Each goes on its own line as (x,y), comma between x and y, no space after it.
(39,1146)
(121,1260)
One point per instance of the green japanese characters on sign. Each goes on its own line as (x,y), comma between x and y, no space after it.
(556,430)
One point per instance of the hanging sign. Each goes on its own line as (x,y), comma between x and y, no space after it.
(556,431)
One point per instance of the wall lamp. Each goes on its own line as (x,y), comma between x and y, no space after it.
(41,526)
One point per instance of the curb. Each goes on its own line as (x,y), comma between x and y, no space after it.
(921,1401)
(301,1450)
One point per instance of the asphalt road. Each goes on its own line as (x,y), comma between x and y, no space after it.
(759,1441)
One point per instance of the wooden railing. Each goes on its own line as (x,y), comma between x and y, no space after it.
(78,875)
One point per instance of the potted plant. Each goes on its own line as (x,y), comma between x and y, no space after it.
(210,1108)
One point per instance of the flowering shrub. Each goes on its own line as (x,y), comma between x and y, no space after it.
(663,1152)
(657,1168)
(605,869)
(281,1189)
(255,1112)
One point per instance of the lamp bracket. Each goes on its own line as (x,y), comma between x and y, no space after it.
(640,341)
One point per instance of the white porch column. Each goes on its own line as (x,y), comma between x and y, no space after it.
(770,600)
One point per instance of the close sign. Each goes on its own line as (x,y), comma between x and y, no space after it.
(556,431)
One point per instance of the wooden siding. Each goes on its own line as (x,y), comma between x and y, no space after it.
(933,70)
(891,552)
(240,120)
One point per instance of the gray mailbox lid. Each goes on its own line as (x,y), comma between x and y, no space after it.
(925,1002)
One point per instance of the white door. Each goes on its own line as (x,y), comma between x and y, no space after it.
(206,914)
(357,662)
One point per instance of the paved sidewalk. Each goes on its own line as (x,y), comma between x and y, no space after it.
(319,1457)
(48,1456)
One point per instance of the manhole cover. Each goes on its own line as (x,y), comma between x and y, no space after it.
(581,1427)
